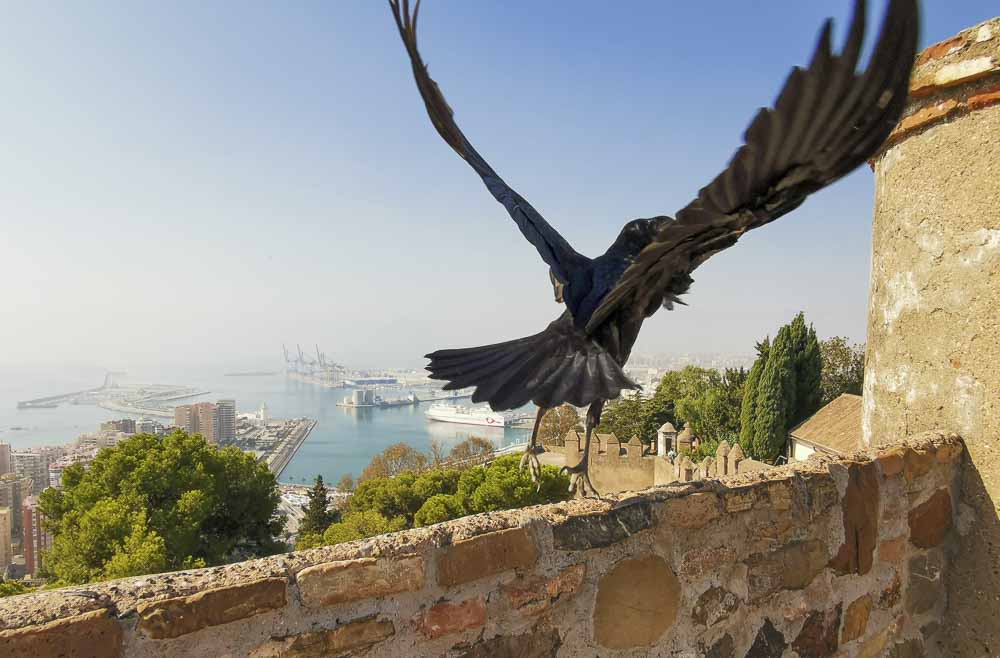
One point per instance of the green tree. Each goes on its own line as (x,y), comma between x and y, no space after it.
(438,508)
(748,411)
(158,503)
(359,525)
(387,504)
(318,514)
(775,392)
(13,588)
(807,393)
(558,422)
(843,368)
(712,407)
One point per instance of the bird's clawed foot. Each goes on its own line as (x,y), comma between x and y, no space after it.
(530,459)
(579,481)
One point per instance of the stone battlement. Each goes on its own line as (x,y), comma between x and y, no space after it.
(826,555)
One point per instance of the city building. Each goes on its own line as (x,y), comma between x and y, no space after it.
(35,539)
(6,529)
(208,421)
(5,465)
(185,417)
(124,425)
(34,465)
(149,426)
(214,421)
(226,410)
(13,490)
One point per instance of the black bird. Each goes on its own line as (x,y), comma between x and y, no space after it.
(827,120)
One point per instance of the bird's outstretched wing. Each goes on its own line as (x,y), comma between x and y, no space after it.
(827,121)
(553,248)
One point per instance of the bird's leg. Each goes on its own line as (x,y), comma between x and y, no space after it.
(531,452)
(579,481)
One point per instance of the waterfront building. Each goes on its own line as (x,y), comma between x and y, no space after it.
(34,465)
(6,537)
(5,465)
(226,411)
(125,425)
(35,538)
(214,421)
(13,490)
(149,426)
(208,421)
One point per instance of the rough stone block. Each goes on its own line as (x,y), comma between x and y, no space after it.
(700,561)
(931,520)
(891,462)
(769,642)
(693,511)
(535,595)
(790,567)
(539,643)
(949,453)
(358,635)
(637,601)
(892,550)
(860,506)
(926,585)
(581,533)
(92,634)
(739,500)
(890,596)
(485,555)
(856,619)
(874,646)
(818,637)
(917,463)
(714,605)
(447,618)
(365,578)
(187,614)
(725,647)
(926,115)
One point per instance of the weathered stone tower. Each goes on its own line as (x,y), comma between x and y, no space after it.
(933,357)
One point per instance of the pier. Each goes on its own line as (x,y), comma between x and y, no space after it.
(285,451)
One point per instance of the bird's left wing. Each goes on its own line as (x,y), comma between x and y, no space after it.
(552,247)
(827,121)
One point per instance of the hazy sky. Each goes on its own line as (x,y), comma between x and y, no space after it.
(186,182)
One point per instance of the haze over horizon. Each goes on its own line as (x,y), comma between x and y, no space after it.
(190,184)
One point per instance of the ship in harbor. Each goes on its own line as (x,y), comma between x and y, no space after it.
(452,413)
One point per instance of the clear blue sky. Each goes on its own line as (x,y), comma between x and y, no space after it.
(199,182)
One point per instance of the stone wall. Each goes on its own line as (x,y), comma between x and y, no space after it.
(933,326)
(617,466)
(828,557)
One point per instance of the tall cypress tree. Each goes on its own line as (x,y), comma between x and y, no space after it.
(809,375)
(317,518)
(748,411)
(774,391)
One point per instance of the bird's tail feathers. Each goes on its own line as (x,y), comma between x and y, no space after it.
(546,369)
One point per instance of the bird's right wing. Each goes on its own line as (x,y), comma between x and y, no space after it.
(552,247)
(827,121)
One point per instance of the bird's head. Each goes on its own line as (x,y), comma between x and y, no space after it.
(638,233)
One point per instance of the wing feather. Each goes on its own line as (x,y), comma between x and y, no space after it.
(551,246)
(827,120)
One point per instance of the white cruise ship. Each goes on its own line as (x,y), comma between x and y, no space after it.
(451,413)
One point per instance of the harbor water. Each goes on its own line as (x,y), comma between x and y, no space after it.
(343,442)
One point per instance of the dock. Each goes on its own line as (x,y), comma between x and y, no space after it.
(283,454)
